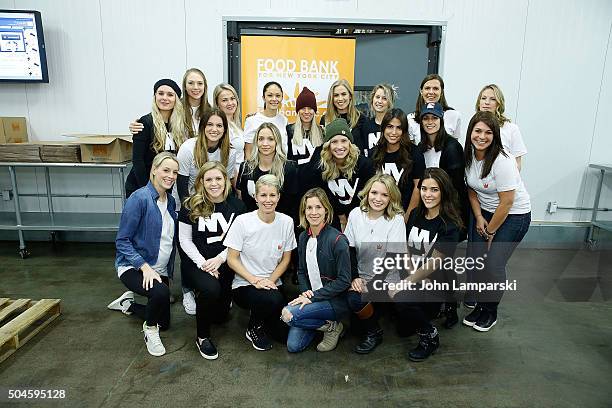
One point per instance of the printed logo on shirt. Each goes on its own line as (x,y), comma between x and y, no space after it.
(373,139)
(213,224)
(391,169)
(169,146)
(342,189)
(419,239)
(304,151)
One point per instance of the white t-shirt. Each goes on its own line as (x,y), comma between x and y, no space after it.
(432,158)
(504,176)
(312,265)
(237,143)
(374,238)
(187,163)
(261,245)
(166,242)
(253,122)
(512,140)
(452,125)
(195,120)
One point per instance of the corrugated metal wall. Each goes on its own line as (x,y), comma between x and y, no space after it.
(548,56)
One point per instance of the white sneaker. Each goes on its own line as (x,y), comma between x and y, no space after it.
(189,303)
(152,340)
(122,303)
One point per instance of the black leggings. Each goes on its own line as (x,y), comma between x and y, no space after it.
(417,315)
(265,307)
(157,310)
(213,296)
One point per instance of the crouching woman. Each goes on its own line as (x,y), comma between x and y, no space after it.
(145,250)
(324,275)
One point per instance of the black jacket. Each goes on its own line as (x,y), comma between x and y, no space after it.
(334,267)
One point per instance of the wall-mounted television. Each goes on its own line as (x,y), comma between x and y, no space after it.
(22,47)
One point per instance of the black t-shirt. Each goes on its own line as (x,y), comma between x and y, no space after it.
(391,166)
(372,134)
(342,192)
(289,195)
(207,234)
(301,154)
(424,236)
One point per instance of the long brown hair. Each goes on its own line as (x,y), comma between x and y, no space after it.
(420,101)
(204,105)
(449,198)
(495,148)
(200,152)
(405,158)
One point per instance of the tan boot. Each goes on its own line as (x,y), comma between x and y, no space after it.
(332,330)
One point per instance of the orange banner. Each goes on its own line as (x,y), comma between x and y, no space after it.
(293,62)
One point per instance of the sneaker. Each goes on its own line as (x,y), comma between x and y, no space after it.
(370,342)
(471,318)
(485,321)
(333,332)
(428,344)
(189,303)
(258,338)
(152,340)
(123,303)
(207,349)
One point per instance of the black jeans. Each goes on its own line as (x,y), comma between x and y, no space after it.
(157,310)
(417,315)
(265,307)
(213,296)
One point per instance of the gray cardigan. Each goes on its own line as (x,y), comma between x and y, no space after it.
(334,267)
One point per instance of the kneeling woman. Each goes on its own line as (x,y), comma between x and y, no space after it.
(324,275)
(203,221)
(259,247)
(433,233)
(145,250)
(375,229)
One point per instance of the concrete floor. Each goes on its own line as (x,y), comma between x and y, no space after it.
(543,352)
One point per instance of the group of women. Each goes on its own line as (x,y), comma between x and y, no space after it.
(353,188)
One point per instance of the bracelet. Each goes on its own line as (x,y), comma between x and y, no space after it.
(488,233)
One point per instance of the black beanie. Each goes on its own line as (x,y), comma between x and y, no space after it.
(167,82)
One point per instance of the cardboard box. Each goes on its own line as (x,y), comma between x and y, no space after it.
(13,130)
(105,148)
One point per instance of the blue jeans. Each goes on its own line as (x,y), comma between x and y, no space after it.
(506,239)
(305,322)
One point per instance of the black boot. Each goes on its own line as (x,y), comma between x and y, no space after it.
(428,344)
(373,338)
(450,312)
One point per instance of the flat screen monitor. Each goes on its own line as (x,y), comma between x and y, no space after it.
(22,47)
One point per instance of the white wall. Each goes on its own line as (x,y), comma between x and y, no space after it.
(549,56)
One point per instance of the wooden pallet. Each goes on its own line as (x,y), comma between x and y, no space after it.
(21,319)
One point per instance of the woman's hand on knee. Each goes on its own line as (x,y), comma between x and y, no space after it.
(148,276)
(300,301)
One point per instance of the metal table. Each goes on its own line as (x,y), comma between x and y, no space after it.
(53,221)
(605,225)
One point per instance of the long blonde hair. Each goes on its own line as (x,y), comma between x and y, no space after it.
(178,129)
(200,151)
(227,87)
(280,158)
(200,204)
(316,134)
(501,103)
(331,170)
(331,113)
(395,197)
(204,105)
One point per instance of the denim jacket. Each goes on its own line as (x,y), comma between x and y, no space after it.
(140,229)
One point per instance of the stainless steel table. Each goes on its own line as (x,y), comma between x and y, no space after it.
(52,221)
(605,225)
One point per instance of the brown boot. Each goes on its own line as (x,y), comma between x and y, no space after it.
(333,331)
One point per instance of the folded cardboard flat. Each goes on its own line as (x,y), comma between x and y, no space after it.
(59,152)
(105,148)
(20,152)
(13,130)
